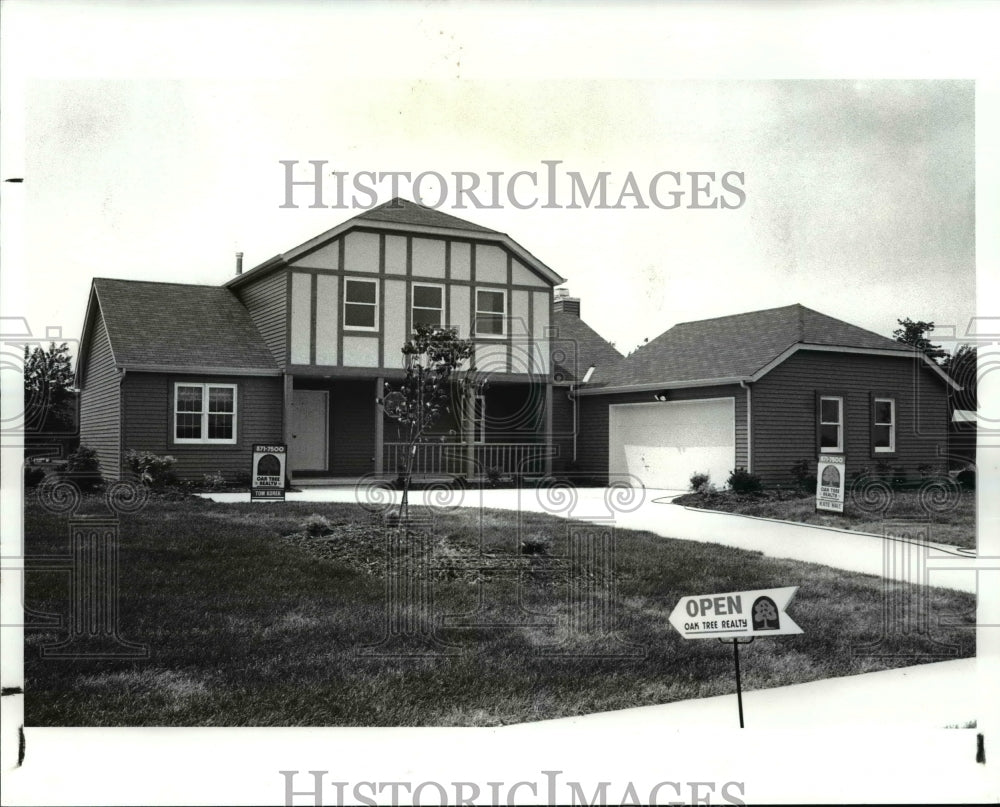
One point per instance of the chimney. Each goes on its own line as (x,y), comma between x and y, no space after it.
(239,263)
(563,303)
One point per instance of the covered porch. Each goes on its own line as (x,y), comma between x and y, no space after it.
(336,430)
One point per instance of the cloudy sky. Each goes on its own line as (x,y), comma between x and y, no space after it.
(858,194)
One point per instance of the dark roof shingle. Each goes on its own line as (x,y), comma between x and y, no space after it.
(737,346)
(581,348)
(402,211)
(173,325)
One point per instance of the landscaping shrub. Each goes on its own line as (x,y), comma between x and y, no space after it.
(898,478)
(535,544)
(316,525)
(804,474)
(742,481)
(214,481)
(493,476)
(33,476)
(151,469)
(84,468)
(699,482)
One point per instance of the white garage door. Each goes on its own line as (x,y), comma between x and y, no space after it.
(662,444)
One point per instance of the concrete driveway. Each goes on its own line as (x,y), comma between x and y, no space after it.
(895,558)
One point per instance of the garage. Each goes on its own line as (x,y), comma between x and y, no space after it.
(662,443)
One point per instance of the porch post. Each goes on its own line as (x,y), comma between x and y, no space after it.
(286,423)
(548,429)
(379,425)
(469,430)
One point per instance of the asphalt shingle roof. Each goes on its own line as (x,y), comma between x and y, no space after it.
(582,348)
(179,325)
(738,346)
(402,211)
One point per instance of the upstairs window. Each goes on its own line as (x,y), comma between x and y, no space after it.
(205,413)
(491,312)
(884,425)
(428,305)
(361,304)
(831,424)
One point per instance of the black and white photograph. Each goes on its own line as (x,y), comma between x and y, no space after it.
(450,403)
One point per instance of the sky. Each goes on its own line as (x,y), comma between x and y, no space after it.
(859,194)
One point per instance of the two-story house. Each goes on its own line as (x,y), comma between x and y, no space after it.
(299,349)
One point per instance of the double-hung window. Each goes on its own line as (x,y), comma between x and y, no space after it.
(491,312)
(428,305)
(204,413)
(361,304)
(884,425)
(831,423)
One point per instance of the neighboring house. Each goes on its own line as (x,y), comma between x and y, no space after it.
(761,391)
(297,350)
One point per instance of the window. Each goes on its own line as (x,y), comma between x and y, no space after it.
(428,305)
(884,425)
(479,420)
(831,424)
(361,304)
(491,312)
(204,413)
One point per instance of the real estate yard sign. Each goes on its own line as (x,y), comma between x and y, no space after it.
(267,473)
(830,483)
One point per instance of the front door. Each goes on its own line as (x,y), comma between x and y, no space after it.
(310,424)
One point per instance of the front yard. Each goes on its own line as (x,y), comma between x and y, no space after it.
(260,615)
(946,519)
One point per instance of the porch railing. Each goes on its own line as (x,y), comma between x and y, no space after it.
(450,458)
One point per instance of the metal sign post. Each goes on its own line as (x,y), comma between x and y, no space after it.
(739,684)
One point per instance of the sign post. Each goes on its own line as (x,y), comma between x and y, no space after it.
(738,617)
(267,473)
(830,483)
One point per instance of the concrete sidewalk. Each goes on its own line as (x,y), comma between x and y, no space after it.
(637,509)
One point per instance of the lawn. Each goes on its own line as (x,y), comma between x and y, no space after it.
(949,520)
(252,621)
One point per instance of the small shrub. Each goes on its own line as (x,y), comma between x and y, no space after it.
(214,481)
(883,471)
(535,544)
(699,482)
(151,469)
(742,481)
(925,470)
(316,525)
(967,478)
(33,477)
(898,478)
(493,476)
(804,474)
(84,467)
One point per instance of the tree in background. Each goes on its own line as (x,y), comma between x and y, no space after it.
(917,333)
(962,367)
(431,358)
(49,399)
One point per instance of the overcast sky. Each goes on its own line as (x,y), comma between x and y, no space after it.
(858,194)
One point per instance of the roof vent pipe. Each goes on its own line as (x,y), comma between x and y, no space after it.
(239,263)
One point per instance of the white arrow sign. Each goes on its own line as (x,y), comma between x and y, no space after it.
(735,615)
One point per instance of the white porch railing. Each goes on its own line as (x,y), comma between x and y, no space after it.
(450,458)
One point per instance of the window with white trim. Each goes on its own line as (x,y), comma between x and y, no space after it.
(428,305)
(479,420)
(361,304)
(884,425)
(204,413)
(491,312)
(831,423)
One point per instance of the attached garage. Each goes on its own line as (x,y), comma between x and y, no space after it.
(663,443)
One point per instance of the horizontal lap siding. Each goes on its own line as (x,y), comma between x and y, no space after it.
(265,300)
(592,438)
(562,428)
(100,404)
(149,422)
(784,411)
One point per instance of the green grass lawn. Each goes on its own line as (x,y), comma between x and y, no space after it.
(954,524)
(250,622)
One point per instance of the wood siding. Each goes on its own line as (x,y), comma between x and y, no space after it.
(785,419)
(149,408)
(592,441)
(265,300)
(562,429)
(100,403)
